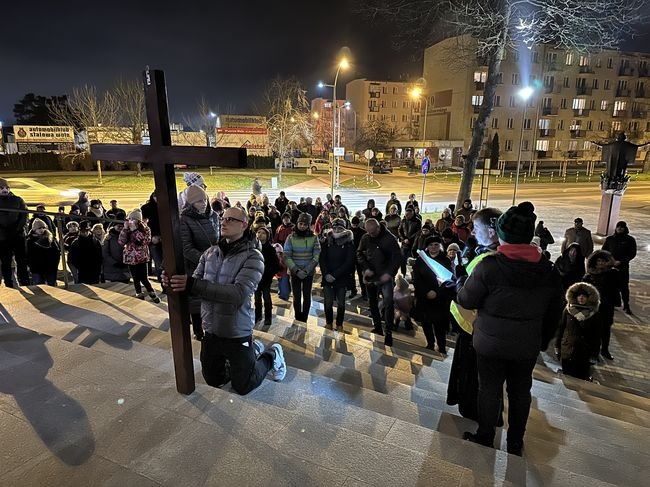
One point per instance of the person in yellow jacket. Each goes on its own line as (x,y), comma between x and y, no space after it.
(462,389)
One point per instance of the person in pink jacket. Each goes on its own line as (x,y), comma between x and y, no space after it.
(135,237)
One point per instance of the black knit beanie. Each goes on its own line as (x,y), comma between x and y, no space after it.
(517,225)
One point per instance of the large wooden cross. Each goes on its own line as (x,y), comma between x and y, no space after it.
(162,156)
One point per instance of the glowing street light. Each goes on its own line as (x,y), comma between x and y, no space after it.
(342,65)
(416,94)
(525,93)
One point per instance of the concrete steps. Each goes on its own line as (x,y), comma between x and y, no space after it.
(355,406)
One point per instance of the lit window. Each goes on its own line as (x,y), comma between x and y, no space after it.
(477,100)
(515,78)
(569,59)
(542,145)
(604,105)
(579,103)
(480,76)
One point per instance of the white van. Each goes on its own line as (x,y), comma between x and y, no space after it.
(311,163)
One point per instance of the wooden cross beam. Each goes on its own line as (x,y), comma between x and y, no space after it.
(162,156)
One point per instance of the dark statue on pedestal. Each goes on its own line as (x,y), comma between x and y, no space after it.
(613,183)
(617,155)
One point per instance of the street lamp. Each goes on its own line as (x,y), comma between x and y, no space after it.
(342,65)
(524,94)
(416,94)
(348,107)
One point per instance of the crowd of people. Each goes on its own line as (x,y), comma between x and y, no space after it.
(486,275)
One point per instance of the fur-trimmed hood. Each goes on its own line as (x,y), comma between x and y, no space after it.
(346,236)
(593,258)
(593,297)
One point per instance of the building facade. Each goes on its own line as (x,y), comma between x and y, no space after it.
(576,99)
(324,132)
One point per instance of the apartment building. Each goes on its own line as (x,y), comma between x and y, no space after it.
(576,99)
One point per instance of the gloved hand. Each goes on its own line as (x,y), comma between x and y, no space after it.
(330,278)
(301,274)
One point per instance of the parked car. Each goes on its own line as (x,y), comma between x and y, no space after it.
(313,163)
(382,168)
(34,192)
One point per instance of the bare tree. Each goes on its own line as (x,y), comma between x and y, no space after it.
(129,96)
(492,27)
(288,117)
(376,135)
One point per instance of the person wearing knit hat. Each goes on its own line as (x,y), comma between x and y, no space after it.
(518,298)
(38,223)
(339,222)
(284,230)
(135,214)
(200,229)
(4,183)
(622,246)
(301,253)
(193,179)
(135,237)
(517,225)
(43,254)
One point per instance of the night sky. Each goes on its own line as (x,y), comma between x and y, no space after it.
(224,50)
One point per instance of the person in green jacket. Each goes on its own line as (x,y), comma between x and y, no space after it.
(301,254)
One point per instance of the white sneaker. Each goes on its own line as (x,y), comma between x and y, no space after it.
(279,369)
(258,348)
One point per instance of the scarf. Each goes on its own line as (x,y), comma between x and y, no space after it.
(581,313)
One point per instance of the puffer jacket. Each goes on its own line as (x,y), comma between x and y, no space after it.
(136,244)
(607,282)
(86,255)
(578,335)
(380,254)
(271,264)
(112,252)
(225,280)
(337,257)
(519,304)
(12,224)
(199,232)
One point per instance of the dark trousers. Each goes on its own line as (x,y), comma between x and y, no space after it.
(518,376)
(233,360)
(388,309)
(607,312)
(576,368)
(435,330)
(197,324)
(301,296)
(332,293)
(263,293)
(48,278)
(362,285)
(156,259)
(9,249)
(624,277)
(140,278)
(406,253)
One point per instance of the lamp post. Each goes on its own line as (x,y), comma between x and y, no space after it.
(524,94)
(348,107)
(416,94)
(343,64)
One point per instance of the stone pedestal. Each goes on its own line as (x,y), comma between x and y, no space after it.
(610,207)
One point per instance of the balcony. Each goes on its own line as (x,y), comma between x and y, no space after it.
(375,94)
(639,114)
(550,110)
(623,92)
(373,109)
(640,93)
(479,85)
(643,72)
(573,154)
(577,134)
(546,133)
(583,90)
(476,108)
(553,66)
(554,88)
(581,112)
(544,154)
(619,113)
(586,70)
(626,71)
